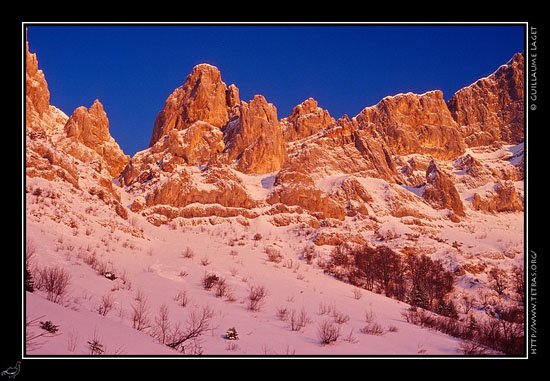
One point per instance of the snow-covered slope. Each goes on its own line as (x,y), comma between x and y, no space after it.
(154,265)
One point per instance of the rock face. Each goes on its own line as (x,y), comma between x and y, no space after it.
(213,156)
(37,97)
(91,128)
(305,120)
(411,123)
(255,139)
(503,198)
(203,97)
(62,149)
(297,188)
(492,108)
(440,191)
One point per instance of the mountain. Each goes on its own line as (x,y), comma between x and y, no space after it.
(275,201)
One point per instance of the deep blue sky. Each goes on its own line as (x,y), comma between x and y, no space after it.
(132,70)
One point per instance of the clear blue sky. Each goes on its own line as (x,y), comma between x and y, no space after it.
(132,69)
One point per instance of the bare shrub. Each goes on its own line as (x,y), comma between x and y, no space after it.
(95,345)
(289,263)
(233,253)
(32,339)
(369,316)
(325,309)
(181,298)
(309,254)
(519,282)
(125,281)
(205,261)
(328,332)
(222,288)
(282,313)
(140,314)
(298,320)
(470,348)
(467,304)
(256,297)
(498,280)
(357,294)
(340,318)
(257,237)
(372,329)
(186,339)
(231,346)
(234,271)
(209,280)
(187,253)
(161,330)
(30,250)
(107,303)
(273,255)
(55,281)
(392,328)
(350,338)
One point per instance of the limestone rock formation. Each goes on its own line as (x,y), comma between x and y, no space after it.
(411,123)
(503,198)
(91,128)
(470,166)
(62,149)
(492,108)
(294,187)
(305,120)
(255,139)
(37,95)
(203,97)
(440,191)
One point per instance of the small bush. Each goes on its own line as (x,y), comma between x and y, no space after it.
(257,237)
(140,315)
(357,294)
(209,280)
(187,253)
(49,326)
(309,254)
(325,309)
(350,338)
(282,313)
(392,328)
(273,255)
(369,316)
(372,329)
(298,320)
(231,334)
(256,297)
(107,303)
(328,332)
(340,318)
(222,288)
(55,281)
(181,298)
(95,345)
(205,261)
(470,348)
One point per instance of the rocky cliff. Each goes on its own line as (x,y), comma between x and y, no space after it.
(213,155)
(492,108)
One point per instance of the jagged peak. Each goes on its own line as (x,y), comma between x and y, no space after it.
(203,69)
(518,57)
